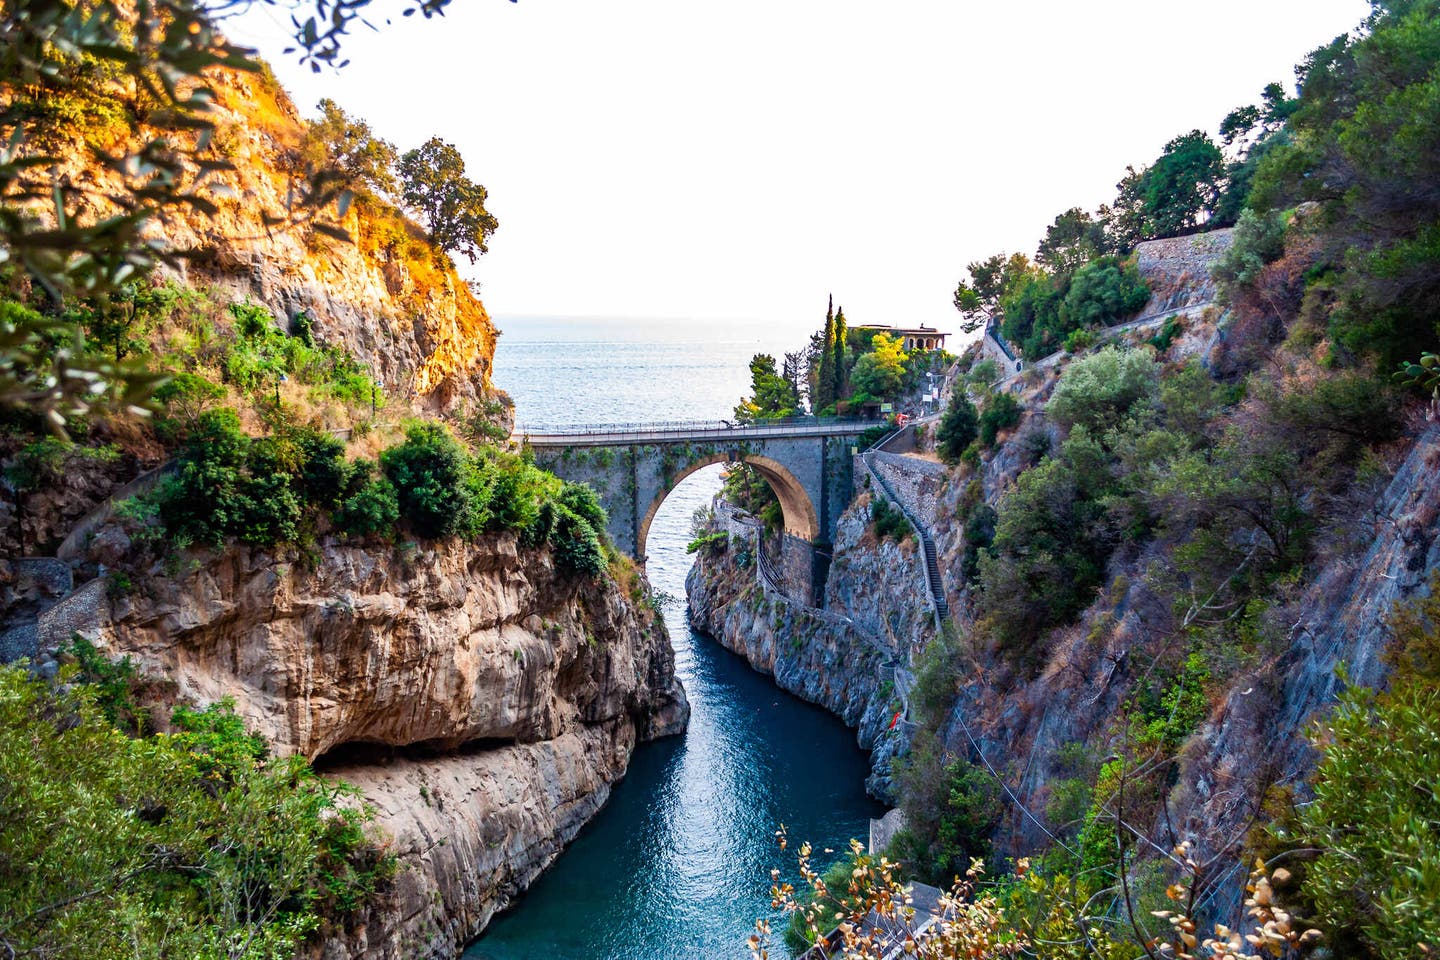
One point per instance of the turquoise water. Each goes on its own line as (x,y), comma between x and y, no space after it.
(678,863)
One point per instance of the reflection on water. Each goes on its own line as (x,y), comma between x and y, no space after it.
(678,863)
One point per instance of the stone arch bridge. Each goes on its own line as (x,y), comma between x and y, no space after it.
(633,467)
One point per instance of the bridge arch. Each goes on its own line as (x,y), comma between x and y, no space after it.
(795,504)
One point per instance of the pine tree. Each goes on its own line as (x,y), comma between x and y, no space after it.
(825,385)
(838,371)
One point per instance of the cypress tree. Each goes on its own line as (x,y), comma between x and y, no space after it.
(825,383)
(838,370)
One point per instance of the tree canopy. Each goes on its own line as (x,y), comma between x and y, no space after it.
(433,183)
(880,373)
(771,395)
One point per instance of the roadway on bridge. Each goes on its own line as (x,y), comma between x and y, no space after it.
(619,434)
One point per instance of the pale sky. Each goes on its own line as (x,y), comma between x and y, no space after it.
(743,159)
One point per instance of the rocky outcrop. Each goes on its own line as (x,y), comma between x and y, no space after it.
(482,700)
(397,305)
(854,656)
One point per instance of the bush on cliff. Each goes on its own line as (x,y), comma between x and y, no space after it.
(192,844)
(958,427)
(370,505)
(441,494)
(267,490)
(1001,413)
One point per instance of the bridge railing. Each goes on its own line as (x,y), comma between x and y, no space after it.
(536,430)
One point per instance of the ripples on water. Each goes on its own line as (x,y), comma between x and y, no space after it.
(678,862)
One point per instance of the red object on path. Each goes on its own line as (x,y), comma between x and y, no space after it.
(895,720)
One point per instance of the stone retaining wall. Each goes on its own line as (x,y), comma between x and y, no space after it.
(916,482)
(81,612)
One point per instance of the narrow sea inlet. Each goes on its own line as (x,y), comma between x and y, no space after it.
(678,863)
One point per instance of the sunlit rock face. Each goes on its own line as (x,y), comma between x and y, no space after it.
(385,296)
(482,700)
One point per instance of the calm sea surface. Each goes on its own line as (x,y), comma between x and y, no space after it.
(678,863)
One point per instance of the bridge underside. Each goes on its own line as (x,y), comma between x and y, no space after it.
(796,507)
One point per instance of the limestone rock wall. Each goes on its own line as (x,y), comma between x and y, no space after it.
(852,657)
(399,308)
(482,700)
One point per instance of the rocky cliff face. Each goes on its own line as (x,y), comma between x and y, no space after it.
(1030,723)
(399,307)
(851,657)
(483,701)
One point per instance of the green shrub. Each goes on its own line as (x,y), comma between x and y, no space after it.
(1259,239)
(577,544)
(439,492)
(271,503)
(324,471)
(889,522)
(951,808)
(1096,391)
(958,427)
(1001,413)
(709,542)
(873,435)
(1078,341)
(585,503)
(1167,333)
(370,506)
(184,397)
(204,500)
(183,845)
(1103,292)
(1052,539)
(1376,819)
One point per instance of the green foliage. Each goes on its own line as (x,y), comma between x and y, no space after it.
(1167,333)
(439,490)
(1414,656)
(836,880)
(880,373)
(1259,239)
(1182,189)
(1376,819)
(113,684)
(1096,391)
(1078,341)
(772,396)
(1103,292)
(584,503)
(1367,149)
(347,146)
(1052,538)
(261,490)
(889,522)
(822,367)
(577,544)
(978,300)
(712,542)
(1031,307)
(751,492)
(1002,412)
(370,506)
(951,807)
(958,427)
(1167,719)
(1074,239)
(873,435)
(433,183)
(195,844)
(182,399)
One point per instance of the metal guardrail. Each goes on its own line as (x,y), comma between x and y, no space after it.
(598,434)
